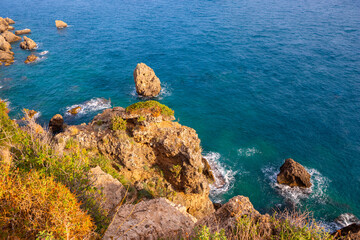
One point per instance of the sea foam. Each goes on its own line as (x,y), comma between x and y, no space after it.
(92,105)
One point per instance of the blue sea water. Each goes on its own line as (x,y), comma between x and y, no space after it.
(260,81)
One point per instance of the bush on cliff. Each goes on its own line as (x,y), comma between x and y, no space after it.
(151,106)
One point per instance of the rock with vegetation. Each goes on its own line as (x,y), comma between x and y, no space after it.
(151,219)
(60,24)
(10,37)
(9,20)
(293,174)
(56,124)
(162,157)
(24,31)
(31,58)
(146,82)
(28,44)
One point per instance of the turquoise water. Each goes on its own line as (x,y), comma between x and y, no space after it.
(260,81)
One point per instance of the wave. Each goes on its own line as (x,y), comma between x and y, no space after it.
(294,195)
(92,105)
(224,177)
(248,152)
(1,87)
(43,53)
(165,91)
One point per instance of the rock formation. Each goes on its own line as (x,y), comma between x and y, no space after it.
(31,58)
(156,154)
(24,31)
(28,44)
(75,110)
(151,219)
(10,28)
(10,37)
(60,24)
(351,232)
(6,57)
(3,25)
(293,174)
(56,124)
(4,45)
(9,20)
(146,82)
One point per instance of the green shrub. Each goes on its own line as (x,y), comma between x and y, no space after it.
(117,123)
(152,106)
(204,233)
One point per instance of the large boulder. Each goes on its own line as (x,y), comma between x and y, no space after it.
(4,45)
(28,44)
(31,58)
(151,219)
(10,37)
(146,82)
(293,174)
(9,20)
(56,124)
(60,24)
(24,31)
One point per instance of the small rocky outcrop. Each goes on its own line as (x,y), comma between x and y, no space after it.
(9,20)
(31,58)
(293,174)
(74,110)
(146,82)
(60,24)
(4,25)
(153,219)
(351,232)
(10,37)
(6,57)
(4,45)
(227,215)
(10,28)
(156,154)
(28,44)
(56,124)
(24,31)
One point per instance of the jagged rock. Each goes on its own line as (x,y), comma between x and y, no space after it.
(146,82)
(113,191)
(75,110)
(60,24)
(293,174)
(6,57)
(227,215)
(31,58)
(351,232)
(9,20)
(56,124)
(3,25)
(24,31)
(28,44)
(10,28)
(152,219)
(154,151)
(4,45)
(10,37)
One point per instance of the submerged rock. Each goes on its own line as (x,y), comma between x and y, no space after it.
(24,31)
(31,58)
(293,174)
(146,82)
(10,37)
(28,44)
(151,219)
(60,24)
(74,110)
(56,124)
(9,20)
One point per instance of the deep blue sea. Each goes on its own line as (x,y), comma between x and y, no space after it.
(260,81)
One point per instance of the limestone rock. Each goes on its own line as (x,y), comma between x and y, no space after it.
(75,110)
(24,31)
(6,57)
(28,44)
(60,24)
(9,20)
(293,174)
(10,37)
(4,45)
(146,82)
(31,58)
(3,25)
(56,124)
(152,219)
(114,192)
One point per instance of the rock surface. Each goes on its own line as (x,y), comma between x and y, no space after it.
(4,45)
(9,20)
(28,44)
(146,82)
(6,57)
(152,219)
(293,174)
(56,124)
(4,25)
(24,31)
(31,58)
(60,24)
(351,232)
(10,37)
(11,28)
(161,156)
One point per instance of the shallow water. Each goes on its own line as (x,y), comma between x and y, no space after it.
(260,81)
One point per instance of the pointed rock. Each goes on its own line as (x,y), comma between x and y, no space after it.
(293,174)
(146,82)
(28,44)
(60,24)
